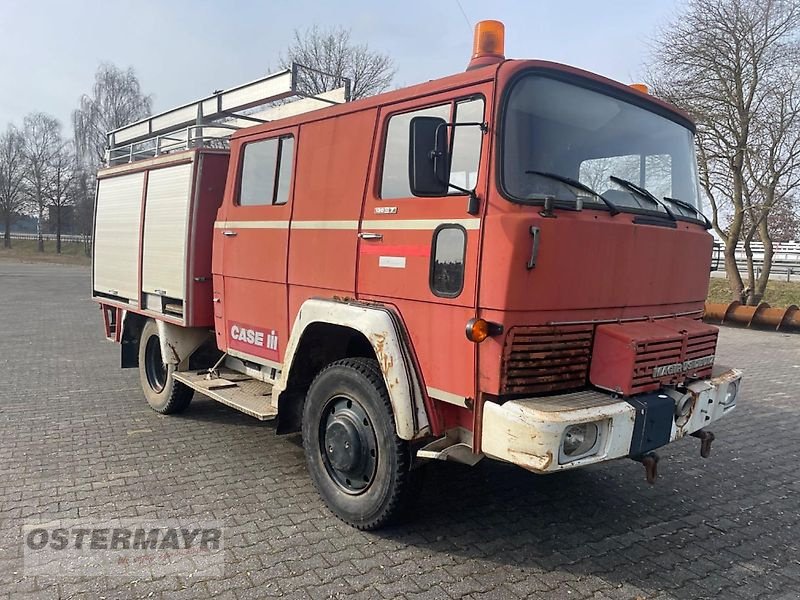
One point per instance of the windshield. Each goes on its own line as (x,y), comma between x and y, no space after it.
(557,128)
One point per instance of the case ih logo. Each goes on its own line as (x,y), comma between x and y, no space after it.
(254,340)
(682,367)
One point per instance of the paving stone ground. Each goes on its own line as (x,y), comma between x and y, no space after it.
(77,441)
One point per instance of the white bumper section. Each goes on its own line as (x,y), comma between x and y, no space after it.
(531,432)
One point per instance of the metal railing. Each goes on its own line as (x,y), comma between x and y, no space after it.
(785,259)
(193,136)
(209,121)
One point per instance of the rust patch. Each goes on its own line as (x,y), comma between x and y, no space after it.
(174,352)
(540,463)
(385,359)
(548,461)
(546,359)
(726,377)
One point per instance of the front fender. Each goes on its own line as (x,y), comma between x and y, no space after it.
(382,328)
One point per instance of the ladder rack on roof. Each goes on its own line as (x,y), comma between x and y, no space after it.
(210,121)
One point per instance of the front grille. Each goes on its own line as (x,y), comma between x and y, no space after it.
(546,359)
(649,355)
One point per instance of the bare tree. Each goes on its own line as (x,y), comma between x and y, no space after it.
(332,55)
(41,142)
(12,179)
(784,222)
(62,185)
(84,206)
(116,100)
(733,65)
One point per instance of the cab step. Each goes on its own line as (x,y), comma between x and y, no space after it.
(234,389)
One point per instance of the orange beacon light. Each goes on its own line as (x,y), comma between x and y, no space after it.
(488,46)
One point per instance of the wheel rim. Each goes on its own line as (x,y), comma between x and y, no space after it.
(348,444)
(154,368)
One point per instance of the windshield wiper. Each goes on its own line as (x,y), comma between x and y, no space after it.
(690,207)
(646,194)
(612,208)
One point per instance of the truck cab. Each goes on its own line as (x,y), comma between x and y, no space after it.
(510,262)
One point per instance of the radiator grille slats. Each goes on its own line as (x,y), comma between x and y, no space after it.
(546,359)
(653,354)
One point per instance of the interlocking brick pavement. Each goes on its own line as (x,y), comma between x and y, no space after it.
(78,441)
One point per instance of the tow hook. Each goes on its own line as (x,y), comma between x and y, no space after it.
(650,462)
(706,437)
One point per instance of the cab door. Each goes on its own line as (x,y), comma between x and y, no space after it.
(255,234)
(421,253)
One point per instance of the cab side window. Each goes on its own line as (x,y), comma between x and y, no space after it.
(466,154)
(465,146)
(266,172)
(394,183)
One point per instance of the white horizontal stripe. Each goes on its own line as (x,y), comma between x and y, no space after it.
(251,225)
(448,397)
(419,223)
(325,225)
(386,224)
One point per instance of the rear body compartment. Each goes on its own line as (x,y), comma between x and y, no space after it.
(154,223)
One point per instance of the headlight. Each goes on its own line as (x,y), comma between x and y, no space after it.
(730,394)
(683,410)
(579,439)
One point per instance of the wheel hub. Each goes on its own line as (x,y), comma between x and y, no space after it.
(348,444)
(343,444)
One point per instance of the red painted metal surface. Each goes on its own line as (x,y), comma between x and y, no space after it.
(208,193)
(626,357)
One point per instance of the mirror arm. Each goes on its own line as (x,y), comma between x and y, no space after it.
(473,202)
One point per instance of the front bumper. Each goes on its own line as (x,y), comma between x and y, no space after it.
(530,432)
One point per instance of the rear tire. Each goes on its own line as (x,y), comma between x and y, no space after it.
(163,393)
(358,464)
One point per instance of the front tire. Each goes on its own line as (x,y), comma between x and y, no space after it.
(163,393)
(358,464)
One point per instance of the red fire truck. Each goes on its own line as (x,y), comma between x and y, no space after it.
(509,262)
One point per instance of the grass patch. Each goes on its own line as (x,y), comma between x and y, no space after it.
(72,253)
(778,294)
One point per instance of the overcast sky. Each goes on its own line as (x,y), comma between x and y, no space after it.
(184,49)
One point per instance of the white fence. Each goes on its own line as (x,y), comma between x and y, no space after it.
(46,236)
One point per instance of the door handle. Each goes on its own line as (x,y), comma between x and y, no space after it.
(366,235)
(535,235)
(229,233)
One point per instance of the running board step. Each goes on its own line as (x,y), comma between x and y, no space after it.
(233,389)
(446,448)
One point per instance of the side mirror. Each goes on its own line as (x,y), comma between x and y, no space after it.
(429,157)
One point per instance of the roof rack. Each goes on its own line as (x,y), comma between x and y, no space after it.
(210,121)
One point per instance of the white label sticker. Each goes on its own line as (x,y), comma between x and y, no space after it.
(392,262)
(385,210)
